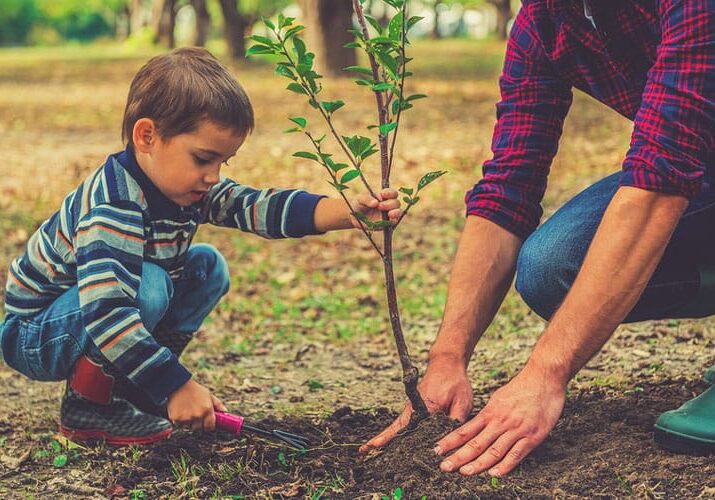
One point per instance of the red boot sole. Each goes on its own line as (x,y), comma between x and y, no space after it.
(90,435)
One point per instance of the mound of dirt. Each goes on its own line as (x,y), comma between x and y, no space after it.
(602,447)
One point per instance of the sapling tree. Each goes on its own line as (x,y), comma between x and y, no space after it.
(385,49)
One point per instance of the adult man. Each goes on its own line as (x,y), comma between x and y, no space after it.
(634,246)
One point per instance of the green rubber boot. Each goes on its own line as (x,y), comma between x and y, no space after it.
(709,375)
(690,428)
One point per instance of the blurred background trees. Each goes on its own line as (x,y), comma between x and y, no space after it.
(196,22)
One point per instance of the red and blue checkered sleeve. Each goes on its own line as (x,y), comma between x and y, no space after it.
(673,138)
(534,102)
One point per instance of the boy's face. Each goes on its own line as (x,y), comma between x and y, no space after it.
(186,166)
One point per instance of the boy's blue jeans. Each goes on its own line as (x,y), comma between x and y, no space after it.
(47,346)
(551,257)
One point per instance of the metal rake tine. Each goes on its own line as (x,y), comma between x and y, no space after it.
(294,440)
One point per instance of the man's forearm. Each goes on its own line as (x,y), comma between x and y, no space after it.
(625,252)
(481,275)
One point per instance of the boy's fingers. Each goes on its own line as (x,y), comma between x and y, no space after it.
(388,194)
(218,405)
(394,214)
(389,205)
(210,421)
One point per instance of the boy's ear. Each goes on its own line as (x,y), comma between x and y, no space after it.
(144,135)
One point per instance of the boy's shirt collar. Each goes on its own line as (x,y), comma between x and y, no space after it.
(159,205)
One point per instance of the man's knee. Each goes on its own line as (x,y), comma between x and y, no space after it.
(155,293)
(207,260)
(544,274)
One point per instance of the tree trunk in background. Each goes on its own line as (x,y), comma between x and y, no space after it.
(164,20)
(504,14)
(234,29)
(435,29)
(327,22)
(203,22)
(136,16)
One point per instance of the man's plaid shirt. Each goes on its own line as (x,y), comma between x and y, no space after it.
(653,61)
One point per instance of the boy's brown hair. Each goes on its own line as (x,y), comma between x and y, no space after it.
(179,89)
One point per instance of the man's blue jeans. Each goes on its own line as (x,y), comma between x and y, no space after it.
(552,256)
(47,346)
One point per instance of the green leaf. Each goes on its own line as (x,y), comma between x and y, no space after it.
(337,167)
(300,121)
(293,31)
(284,70)
(414,97)
(382,223)
(394,29)
(292,130)
(364,83)
(339,187)
(348,176)
(258,49)
(263,39)
(430,177)
(407,191)
(307,155)
(332,106)
(363,218)
(321,139)
(387,128)
(300,49)
(297,88)
(352,45)
(412,21)
(397,494)
(369,152)
(388,62)
(269,23)
(359,69)
(359,145)
(60,460)
(56,447)
(384,86)
(374,23)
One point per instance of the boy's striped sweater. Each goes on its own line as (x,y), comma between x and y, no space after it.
(103,233)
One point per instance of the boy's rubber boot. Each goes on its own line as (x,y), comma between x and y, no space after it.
(690,428)
(91,410)
(176,342)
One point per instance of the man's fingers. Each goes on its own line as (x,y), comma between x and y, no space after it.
(386,436)
(514,457)
(460,410)
(461,435)
(491,455)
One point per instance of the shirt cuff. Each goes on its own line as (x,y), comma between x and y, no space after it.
(301,215)
(160,381)
(669,182)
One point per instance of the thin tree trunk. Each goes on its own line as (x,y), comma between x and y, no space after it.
(435,29)
(504,15)
(328,22)
(164,15)
(136,16)
(203,22)
(234,29)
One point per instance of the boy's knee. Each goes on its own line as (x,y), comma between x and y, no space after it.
(210,262)
(543,275)
(155,293)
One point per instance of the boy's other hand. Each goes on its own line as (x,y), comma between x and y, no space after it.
(373,208)
(192,405)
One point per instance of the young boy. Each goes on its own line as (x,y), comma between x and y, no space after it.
(110,289)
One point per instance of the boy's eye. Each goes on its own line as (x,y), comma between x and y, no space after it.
(201,161)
